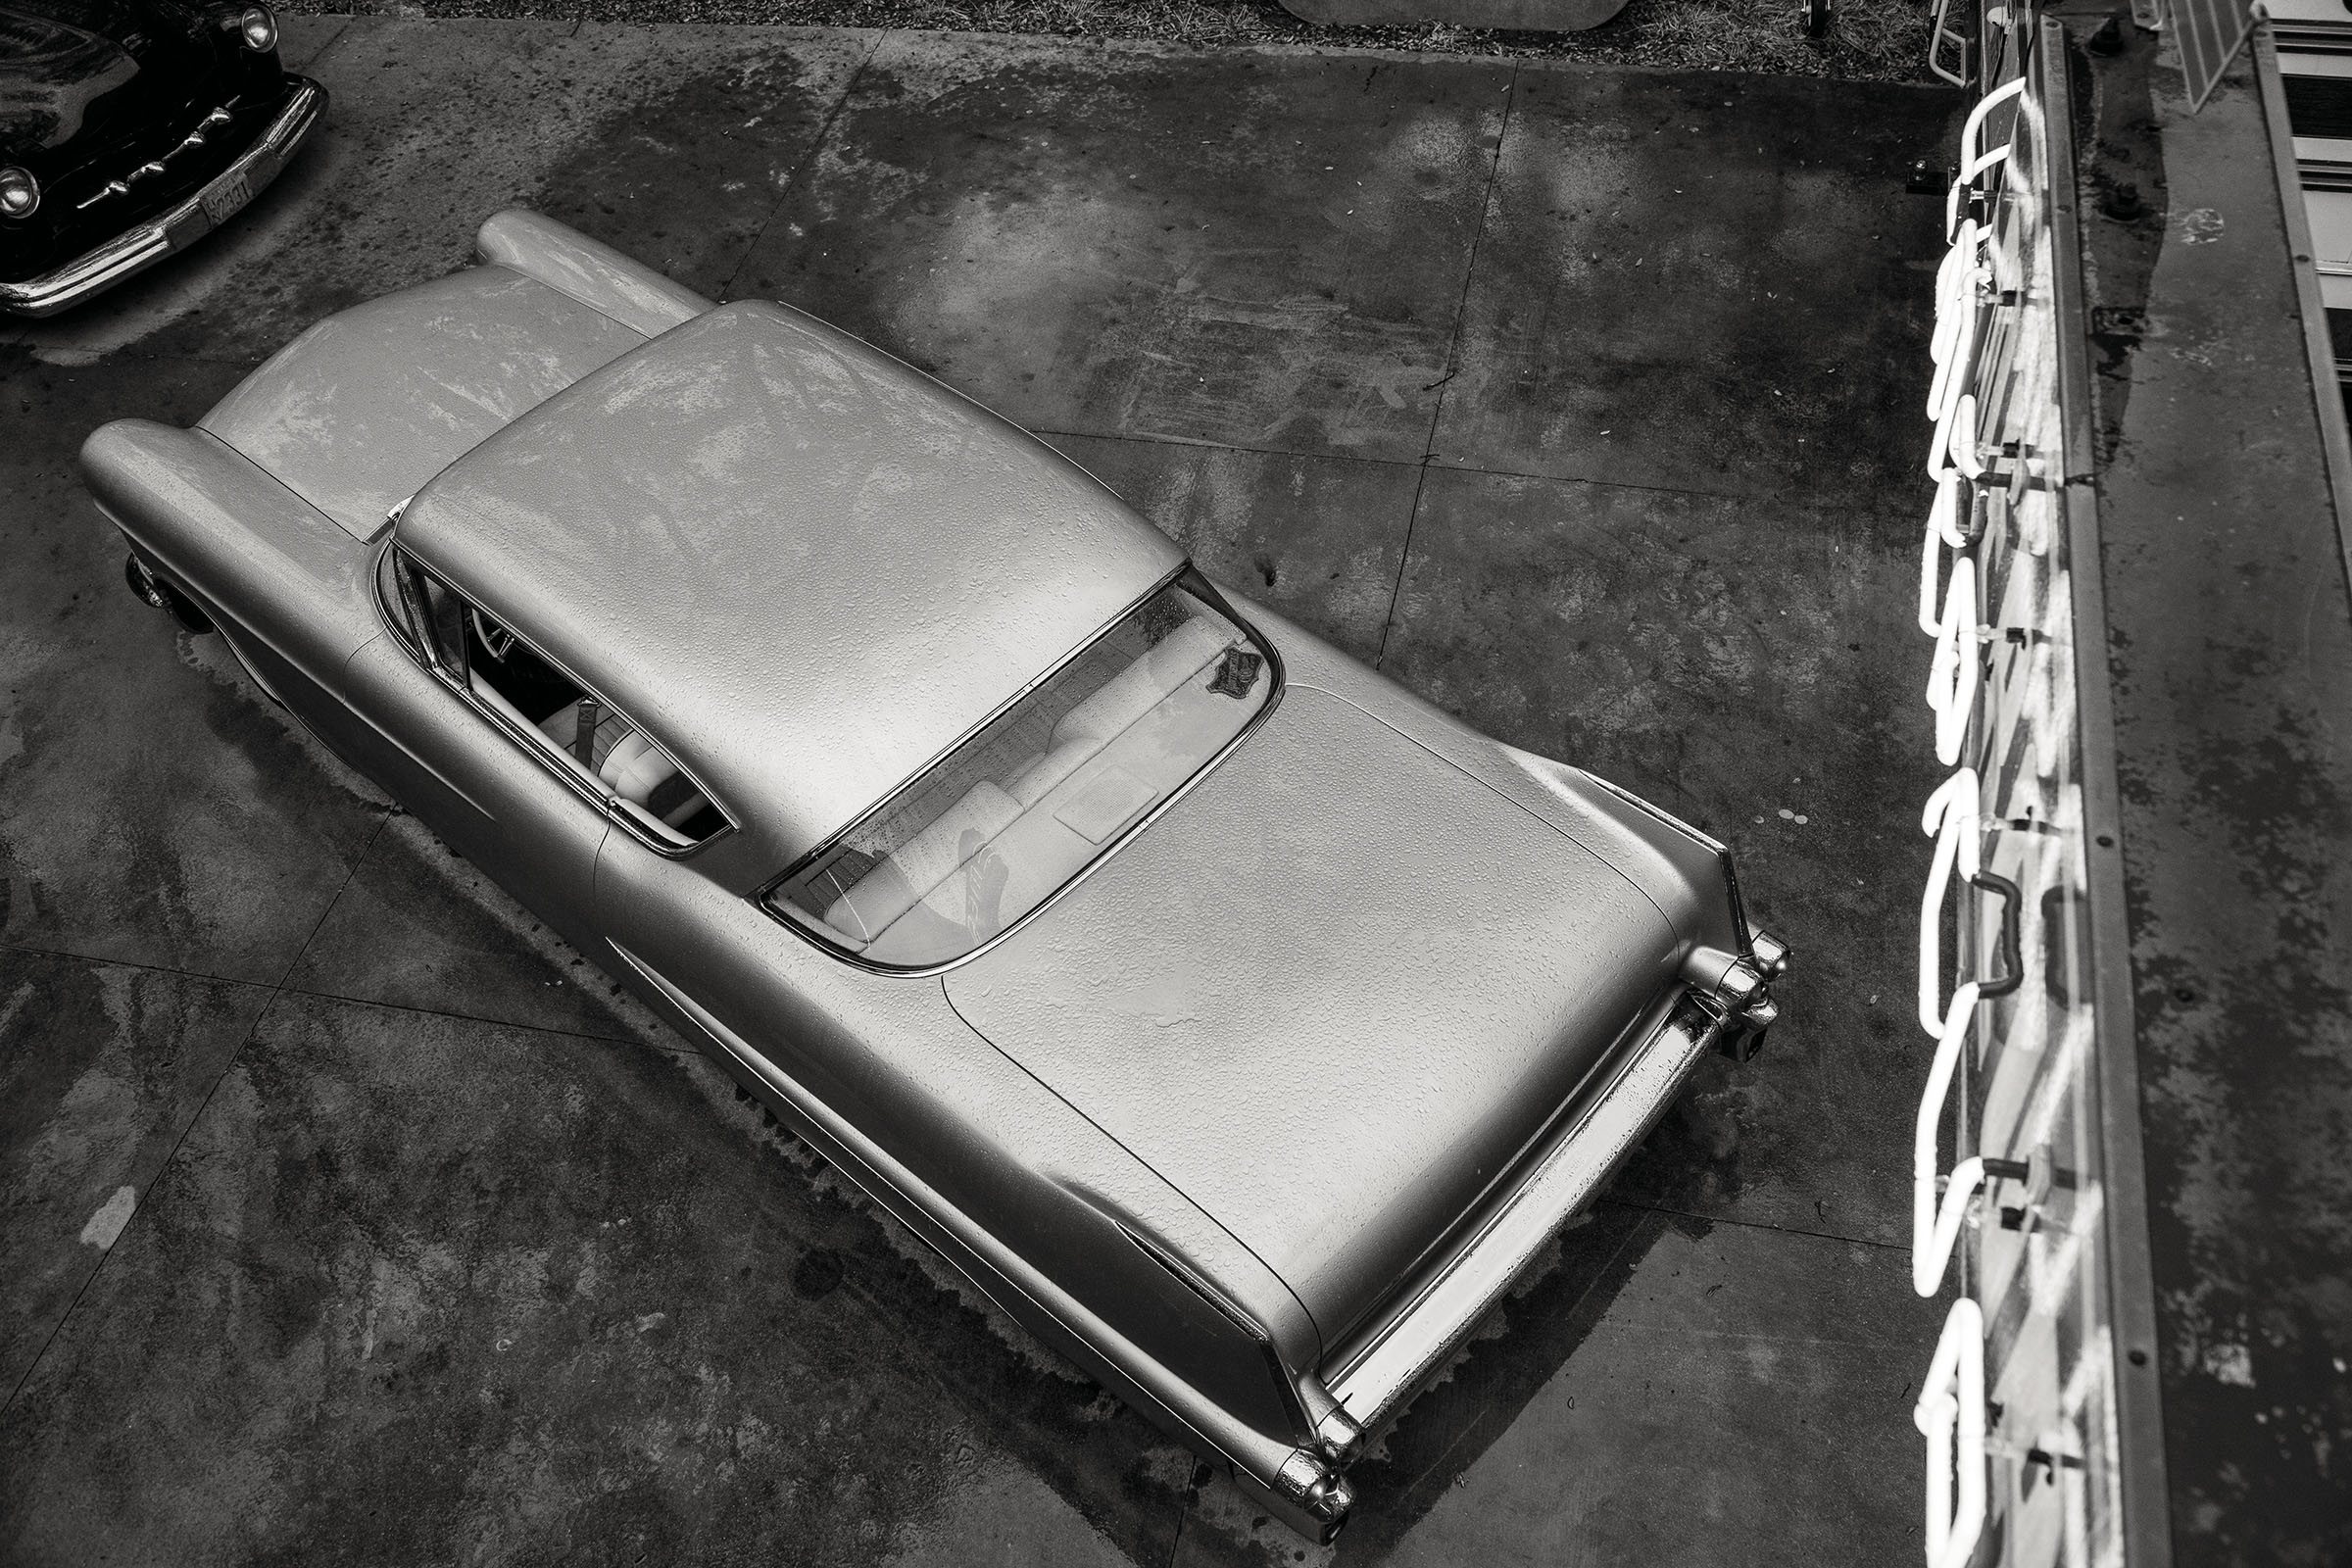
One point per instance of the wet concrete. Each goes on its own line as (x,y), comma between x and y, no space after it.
(1681,1408)
(1319,539)
(1729,660)
(106,1066)
(440,1247)
(1262,251)
(417,927)
(167,823)
(420,1288)
(679,138)
(2229,647)
(1703,282)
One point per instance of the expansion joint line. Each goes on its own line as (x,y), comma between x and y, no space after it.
(1666,1212)
(170,1157)
(816,146)
(1443,385)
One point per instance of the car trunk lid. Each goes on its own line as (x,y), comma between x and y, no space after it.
(1331,996)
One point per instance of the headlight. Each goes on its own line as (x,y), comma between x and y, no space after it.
(19,193)
(258,28)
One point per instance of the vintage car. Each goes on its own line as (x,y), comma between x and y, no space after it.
(1236,1021)
(130,129)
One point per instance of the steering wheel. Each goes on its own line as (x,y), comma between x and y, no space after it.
(496,640)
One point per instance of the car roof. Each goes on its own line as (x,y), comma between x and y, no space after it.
(805,567)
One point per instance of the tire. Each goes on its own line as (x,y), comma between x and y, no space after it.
(153,590)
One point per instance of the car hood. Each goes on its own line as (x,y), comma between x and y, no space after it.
(70,67)
(1329,996)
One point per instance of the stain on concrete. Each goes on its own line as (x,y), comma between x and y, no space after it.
(418,927)
(426,1287)
(102,1068)
(154,811)
(686,176)
(998,1513)
(1704,281)
(1264,250)
(1319,539)
(1727,659)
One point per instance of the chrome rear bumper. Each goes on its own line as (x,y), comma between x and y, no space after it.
(1446,1305)
(175,229)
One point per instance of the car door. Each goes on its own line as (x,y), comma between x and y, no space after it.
(679,920)
(489,791)
(675,915)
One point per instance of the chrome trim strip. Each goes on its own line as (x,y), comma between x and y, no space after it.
(1232,1311)
(144,244)
(1585,1152)
(120,184)
(1721,850)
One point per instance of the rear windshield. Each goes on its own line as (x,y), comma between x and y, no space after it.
(992,829)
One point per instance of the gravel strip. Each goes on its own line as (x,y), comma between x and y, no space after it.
(1868,40)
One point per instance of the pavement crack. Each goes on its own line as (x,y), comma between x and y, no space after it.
(1759,1225)
(677,1047)
(815,150)
(172,1155)
(39,951)
(1427,459)
(1452,362)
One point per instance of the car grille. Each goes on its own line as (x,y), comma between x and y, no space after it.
(156,168)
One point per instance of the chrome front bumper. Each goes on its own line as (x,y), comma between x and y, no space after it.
(144,244)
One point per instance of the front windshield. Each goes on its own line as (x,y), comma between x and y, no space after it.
(994,828)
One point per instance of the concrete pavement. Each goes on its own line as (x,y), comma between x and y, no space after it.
(349,1216)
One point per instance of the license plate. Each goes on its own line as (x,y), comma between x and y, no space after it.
(225,196)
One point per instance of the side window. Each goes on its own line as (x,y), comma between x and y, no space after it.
(571,729)
(444,622)
(428,615)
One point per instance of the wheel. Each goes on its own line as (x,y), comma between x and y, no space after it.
(155,591)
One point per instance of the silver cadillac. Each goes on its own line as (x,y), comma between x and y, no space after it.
(1234,1019)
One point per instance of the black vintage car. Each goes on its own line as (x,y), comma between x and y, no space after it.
(130,129)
